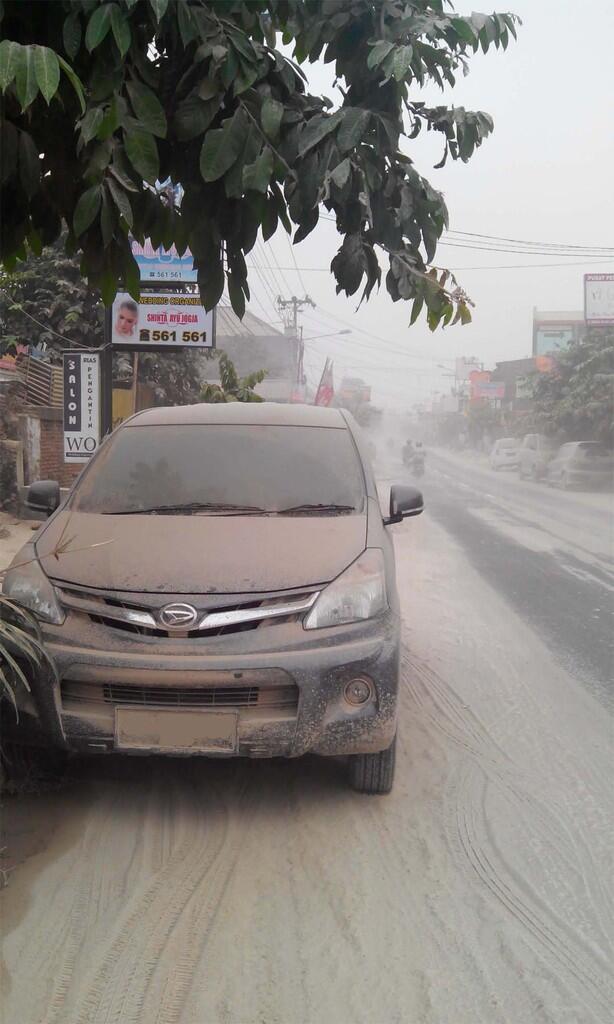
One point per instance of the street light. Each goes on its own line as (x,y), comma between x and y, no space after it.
(333,335)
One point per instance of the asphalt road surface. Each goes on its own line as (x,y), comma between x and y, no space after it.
(150,891)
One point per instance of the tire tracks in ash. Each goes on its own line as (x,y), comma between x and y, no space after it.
(471,837)
(134,980)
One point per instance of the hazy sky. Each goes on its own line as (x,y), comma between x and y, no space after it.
(546,174)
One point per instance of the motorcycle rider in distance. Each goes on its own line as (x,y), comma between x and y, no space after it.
(408,452)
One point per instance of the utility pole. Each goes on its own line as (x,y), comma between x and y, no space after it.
(289,309)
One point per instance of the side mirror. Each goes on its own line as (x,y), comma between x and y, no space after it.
(43,496)
(404,502)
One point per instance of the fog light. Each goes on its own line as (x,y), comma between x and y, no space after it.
(358,691)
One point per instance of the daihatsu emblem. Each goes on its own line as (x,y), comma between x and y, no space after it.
(178,616)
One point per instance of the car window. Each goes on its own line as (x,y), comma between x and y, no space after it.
(271,467)
(508,442)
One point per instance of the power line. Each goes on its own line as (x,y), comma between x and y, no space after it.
(298,269)
(540,245)
(460,244)
(500,266)
(458,236)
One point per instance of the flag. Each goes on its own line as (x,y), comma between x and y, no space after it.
(326,389)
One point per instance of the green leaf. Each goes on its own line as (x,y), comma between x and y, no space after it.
(256,176)
(131,275)
(107,219)
(142,153)
(121,201)
(159,8)
(211,283)
(377,53)
(222,147)
(402,62)
(193,116)
(416,309)
(108,286)
(91,123)
(98,26)
(86,209)
(271,115)
(236,296)
(47,71)
(317,129)
(10,54)
(355,121)
(147,108)
(25,79)
(341,173)
(464,31)
(71,34)
(29,164)
(75,81)
(121,30)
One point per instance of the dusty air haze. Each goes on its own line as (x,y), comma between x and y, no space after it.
(544,175)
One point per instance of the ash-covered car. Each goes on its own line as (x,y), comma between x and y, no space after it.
(220,581)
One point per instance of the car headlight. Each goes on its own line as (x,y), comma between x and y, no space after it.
(357,594)
(25,583)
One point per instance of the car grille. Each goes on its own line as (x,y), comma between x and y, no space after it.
(269,697)
(143,619)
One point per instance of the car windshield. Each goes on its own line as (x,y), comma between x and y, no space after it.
(508,442)
(225,468)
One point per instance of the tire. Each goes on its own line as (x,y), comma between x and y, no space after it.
(373,773)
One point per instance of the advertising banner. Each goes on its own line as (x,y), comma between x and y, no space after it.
(161,265)
(81,405)
(599,299)
(490,389)
(161,321)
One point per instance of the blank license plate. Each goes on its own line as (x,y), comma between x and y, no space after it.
(176,731)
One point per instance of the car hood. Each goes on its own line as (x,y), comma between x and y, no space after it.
(198,554)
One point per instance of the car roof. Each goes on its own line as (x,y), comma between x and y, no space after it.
(240,413)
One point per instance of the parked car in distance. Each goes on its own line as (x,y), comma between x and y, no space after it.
(580,464)
(220,581)
(534,454)
(504,454)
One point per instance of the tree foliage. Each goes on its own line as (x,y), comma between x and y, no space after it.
(232,388)
(46,301)
(576,400)
(120,95)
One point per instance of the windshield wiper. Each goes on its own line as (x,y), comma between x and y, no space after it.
(315,509)
(194,506)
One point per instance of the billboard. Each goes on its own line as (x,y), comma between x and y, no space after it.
(170,320)
(81,405)
(552,339)
(490,389)
(599,299)
(162,265)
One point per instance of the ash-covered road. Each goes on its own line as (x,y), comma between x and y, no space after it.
(175,892)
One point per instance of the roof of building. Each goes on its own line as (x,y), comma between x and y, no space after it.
(557,316)
(228,325)
(238,413)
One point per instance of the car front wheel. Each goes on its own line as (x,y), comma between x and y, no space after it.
(373,773)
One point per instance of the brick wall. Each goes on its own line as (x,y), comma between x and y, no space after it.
(42,433)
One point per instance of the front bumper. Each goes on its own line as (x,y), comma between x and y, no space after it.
(78,711)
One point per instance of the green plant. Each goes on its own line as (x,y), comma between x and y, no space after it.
(232,388)
(22,652)
(118,97)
